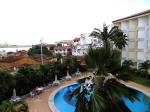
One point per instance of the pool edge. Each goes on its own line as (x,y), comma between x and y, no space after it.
(52,95)
(51,98)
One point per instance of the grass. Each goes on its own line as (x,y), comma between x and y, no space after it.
(141,80)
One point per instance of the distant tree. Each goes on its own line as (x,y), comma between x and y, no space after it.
(37,50)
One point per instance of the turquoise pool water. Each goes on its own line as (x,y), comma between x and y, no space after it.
(61,103)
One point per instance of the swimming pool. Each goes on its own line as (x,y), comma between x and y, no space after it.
(63,105)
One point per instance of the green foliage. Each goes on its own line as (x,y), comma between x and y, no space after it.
(104,60)
(28,78)
(106,96)
(37,50)
(58,56)
(144,69)
(71,63)
(8,106)
(114,35)
(7,84)
(126,71)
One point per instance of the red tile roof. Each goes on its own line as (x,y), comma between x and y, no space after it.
(134,15)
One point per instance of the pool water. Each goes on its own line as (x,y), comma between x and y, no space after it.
(63,105)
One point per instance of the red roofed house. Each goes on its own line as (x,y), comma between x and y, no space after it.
(63,50)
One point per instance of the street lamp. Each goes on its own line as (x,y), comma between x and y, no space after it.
(41,51)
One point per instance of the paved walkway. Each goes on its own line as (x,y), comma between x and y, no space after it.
(139,87)
(40,103)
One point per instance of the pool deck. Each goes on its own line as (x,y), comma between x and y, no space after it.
(40,103)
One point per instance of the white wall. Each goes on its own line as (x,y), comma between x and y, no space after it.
(142,38)
(125,29)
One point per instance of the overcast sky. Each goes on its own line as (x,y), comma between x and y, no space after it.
(26,21)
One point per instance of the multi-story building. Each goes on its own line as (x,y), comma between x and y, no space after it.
(64,47)
(137,29)
(63,50)
(82,44)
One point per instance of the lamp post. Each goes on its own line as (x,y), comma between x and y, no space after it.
(41,51)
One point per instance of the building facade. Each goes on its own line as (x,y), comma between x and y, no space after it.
(63,50)
(137,29)
(63,47)
(83,43)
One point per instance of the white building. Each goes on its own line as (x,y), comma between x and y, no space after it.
(82,44)
(137,29)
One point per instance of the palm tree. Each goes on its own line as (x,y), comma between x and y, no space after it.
(108,36)
(103,92)
(128,64)
(104,60)
(126,71)
(17,106)
(144,67)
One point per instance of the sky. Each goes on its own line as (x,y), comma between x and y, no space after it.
(27,21)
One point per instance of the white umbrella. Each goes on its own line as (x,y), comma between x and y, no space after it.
(14,93)
(68,77)
(55,77)
(56,82)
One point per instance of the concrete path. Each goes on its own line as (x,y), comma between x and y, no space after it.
(40,102)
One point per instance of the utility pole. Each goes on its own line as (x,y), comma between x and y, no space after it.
(41,51)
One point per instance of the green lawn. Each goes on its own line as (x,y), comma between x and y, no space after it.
(142,81)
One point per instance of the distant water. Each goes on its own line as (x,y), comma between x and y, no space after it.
(14,49)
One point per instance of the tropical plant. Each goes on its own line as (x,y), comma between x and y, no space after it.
(27,79)
(71,63)
(144,68)
(104,60)
(17,106)
(103,92)
(126,71)
(114,35)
